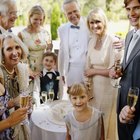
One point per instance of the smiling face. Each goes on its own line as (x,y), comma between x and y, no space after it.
(133,12)
(12,53)
(48,62)
(36,20)
(7,20)
(97,21)
(72,12)
(96,26)
(79,102)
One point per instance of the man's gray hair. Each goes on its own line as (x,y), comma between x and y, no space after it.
(69,1)
(4,6)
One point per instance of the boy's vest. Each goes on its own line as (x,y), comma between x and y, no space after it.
(45,80)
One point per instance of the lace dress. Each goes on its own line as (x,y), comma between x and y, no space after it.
(36,43)
(105,95)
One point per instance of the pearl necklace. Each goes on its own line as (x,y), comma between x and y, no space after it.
(10,73)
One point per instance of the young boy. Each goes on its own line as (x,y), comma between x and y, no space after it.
(49,79)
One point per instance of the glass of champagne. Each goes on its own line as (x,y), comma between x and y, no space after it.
(24,102)
(117,50)
(51,94)
(44,97)
(132,98)
(118,71)
(49,45)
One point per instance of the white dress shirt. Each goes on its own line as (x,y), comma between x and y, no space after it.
(77,46)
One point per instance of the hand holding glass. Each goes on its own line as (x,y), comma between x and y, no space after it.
(118,72)
(24,102)
(132,97)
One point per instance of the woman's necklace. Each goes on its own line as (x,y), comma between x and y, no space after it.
(10,73)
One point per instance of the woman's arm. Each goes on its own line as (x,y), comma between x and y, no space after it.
(68,137)
(15,118)
(93,72)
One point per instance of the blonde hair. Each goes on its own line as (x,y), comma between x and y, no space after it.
(97,14)
(78,89)
(5,36)
(36,10)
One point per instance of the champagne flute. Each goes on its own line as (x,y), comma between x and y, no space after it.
(49,45)
(44,97)
(51,94)
(132,98)
(24,102)
(118,71)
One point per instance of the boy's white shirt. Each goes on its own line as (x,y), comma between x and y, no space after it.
(36,88)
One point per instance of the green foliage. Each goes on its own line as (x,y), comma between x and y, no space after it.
(21,20)
(55,20)
(63,18)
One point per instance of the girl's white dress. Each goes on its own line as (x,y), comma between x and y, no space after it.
(88,130)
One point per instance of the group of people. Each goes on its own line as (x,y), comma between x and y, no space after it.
(91,60)
(86,56)
(86,62)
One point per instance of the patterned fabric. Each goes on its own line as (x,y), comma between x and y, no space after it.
(36,43)
(4,113)
(19,82)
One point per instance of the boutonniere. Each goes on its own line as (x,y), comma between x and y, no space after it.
(58,78)
(37,42)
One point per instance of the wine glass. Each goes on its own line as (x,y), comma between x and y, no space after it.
(44,96)
(132,98)
(118,51)
(118,71)
(49,45)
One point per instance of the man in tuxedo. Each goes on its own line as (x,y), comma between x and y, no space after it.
(73,44)
(8,15)
(131,74)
